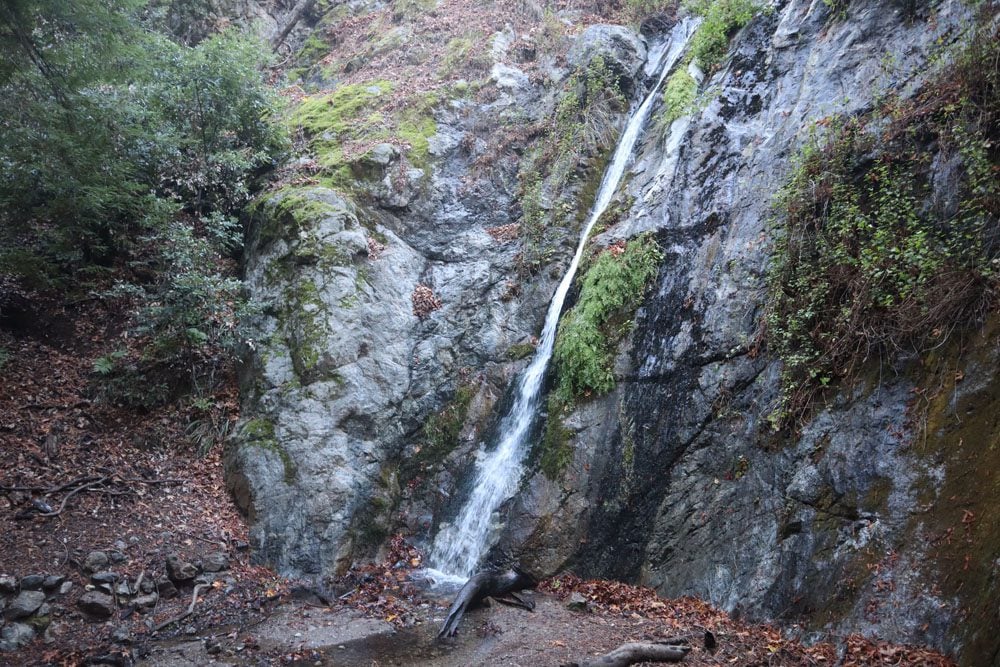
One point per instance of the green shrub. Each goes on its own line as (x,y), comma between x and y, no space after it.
(862,266)
(610,290)
(679,95)
(720,19)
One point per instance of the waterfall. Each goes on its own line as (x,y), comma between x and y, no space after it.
(458,547)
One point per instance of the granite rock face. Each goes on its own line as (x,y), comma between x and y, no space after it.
(677,480)
(379,307)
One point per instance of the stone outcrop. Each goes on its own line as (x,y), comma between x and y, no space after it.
(676,479)
(383,307)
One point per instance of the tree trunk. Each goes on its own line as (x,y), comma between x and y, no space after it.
(300,10)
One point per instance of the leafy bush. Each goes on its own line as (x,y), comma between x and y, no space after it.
(679,95)
(720,19)
(121,148)
(862,266)
(611,289)
(215,122)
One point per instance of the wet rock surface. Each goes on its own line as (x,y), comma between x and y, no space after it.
(677,480)
(379,315)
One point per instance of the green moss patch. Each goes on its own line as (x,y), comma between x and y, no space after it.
(610,291)
(342,126)
(260,432)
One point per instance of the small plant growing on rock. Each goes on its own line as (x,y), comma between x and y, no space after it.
(862,265)
(611,290)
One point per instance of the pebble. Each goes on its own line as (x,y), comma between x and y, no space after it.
(32,582)
(54,581)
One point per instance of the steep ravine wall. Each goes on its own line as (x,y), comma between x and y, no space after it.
(854,523)
(676,480)
(391,316)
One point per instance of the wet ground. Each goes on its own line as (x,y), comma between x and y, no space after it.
(494,635)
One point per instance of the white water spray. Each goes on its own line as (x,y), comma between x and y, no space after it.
(458,547)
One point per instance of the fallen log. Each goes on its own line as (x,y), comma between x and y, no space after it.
(634,652)
(490,583)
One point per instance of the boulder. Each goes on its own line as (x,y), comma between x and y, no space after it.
(96,604)
(32,582)
(24,605)
(180,571)
(8,584)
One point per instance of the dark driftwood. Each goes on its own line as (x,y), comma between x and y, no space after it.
(491,583)
(633,652)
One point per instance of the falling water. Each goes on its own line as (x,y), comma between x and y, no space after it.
(458,547)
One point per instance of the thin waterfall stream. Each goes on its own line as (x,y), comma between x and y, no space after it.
(459,546)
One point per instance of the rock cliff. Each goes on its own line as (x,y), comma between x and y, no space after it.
(401,295)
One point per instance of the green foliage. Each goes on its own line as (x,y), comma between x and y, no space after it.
(103,117)
(192,307)
(610,291)
(556,452)
(583,126)
(215,121)
(720,20)
(441,430)
(121,148)
(862,265)
(586,114)
(105,365)
(679,95)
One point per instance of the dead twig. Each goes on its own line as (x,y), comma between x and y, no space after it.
(62,505)
(187,612)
